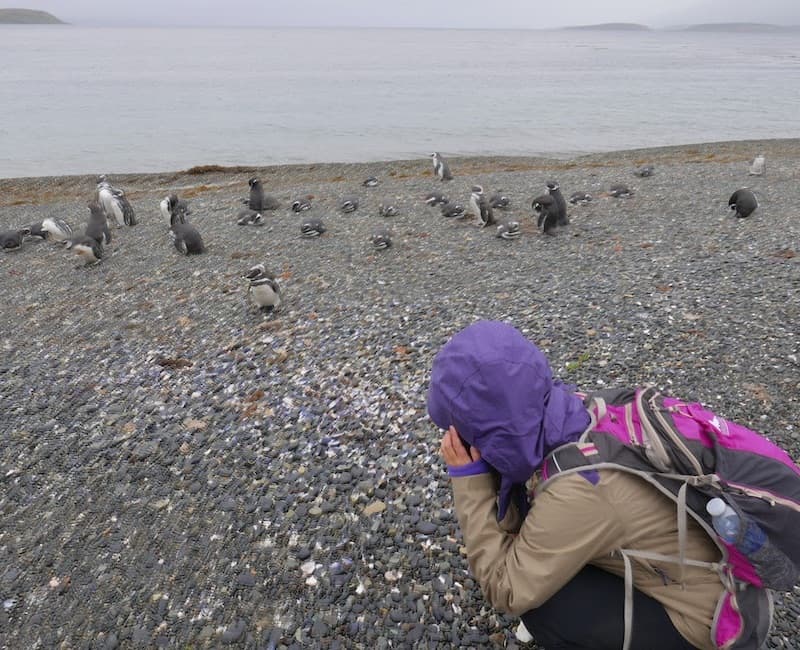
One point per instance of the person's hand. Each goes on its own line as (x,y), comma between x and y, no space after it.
(453,451)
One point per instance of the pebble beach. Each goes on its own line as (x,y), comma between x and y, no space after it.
(180,470)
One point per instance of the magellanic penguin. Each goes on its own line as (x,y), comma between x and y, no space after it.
(97,228)
(620,191)
(759,165)
(11,240)
(436,198)
(381,239)
(440,167)
(36,231)
(312,227)
(259,201)
(349,204)
(499,201)
(387,210)
(185,237)
(89,249)
(453,211)
(371,181)
(173,205)
(263,288)
(554,190)
(114,203)
(645,171)
(301,205)
(56,230)
(248,217)
(545,206)
(580,198)
(743,203)
(508,230)
(480,207)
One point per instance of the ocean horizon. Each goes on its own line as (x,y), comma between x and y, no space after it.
(125,100)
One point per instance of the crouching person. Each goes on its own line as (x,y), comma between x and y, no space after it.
(558,560)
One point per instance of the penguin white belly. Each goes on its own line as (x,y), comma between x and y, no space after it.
(164,205)
(265,296)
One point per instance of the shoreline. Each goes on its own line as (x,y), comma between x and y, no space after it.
(728,151)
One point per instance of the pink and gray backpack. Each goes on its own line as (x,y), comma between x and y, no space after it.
(692,455)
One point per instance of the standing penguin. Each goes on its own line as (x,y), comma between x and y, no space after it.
(545,206)
(743,203)
(554,190)
(440,167)
(97,228)
(759,165)
(185,237)
(173,205)
(262,287)
(480,206)
(114,203)
(259,201)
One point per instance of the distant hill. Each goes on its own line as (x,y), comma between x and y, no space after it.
(613,27)
(28,17)
(739,27)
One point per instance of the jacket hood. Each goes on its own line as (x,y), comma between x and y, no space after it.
(496,388)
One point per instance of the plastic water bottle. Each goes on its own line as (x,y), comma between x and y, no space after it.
(727,523)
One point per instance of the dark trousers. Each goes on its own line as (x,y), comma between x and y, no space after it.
(588,613)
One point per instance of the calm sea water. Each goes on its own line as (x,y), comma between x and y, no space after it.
(89,100)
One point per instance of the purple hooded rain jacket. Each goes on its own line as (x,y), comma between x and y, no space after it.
(496,388)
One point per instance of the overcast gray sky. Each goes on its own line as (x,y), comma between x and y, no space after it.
(416,13)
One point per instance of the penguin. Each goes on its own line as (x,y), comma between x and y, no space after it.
(248,217)
(36,231)
(370,182)
(387,210)
(554,190)
(499,201)
(185,237)
(97,228)
(301,205)
(57,230)
(435,198)
(645,171)
(545,206)
(259,201)
(580,198)
(743,203)
(759,165)
(263,288)
(508,230)
(172,204)
(440,167)
(349,204)
(480,207)
(89,249)
(114,203)
(453,211)
(312,227)
(11,240)
(620,191)
(381,239)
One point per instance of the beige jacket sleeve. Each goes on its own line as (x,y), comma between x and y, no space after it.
(566,527)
